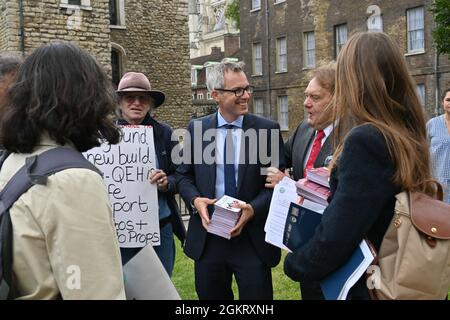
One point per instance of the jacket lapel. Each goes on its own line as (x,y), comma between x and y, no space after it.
(325,151)
(302,141)
(210,169)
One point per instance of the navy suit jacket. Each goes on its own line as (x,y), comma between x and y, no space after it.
(296,149)
(199,180)
(361,206)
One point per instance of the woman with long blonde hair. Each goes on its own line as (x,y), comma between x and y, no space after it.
(381,150)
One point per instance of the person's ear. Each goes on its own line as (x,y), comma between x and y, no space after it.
(215,95)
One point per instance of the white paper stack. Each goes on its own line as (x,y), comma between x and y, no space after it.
(225,216)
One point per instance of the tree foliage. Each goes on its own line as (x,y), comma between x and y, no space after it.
(441,33)
(232,12)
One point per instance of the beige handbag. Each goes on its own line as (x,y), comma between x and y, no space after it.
(414,257)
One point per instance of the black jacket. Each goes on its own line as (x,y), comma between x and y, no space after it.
(296,149)
(362,206)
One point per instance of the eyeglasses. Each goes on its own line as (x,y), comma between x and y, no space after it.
(238,92)
(131,98)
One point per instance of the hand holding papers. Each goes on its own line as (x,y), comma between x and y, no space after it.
(287,192)
(225,216)
(290,225)
(274,176)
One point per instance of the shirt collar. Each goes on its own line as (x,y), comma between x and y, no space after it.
(328,130)
(221,121)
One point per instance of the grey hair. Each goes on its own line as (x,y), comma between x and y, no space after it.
(9,63)
(216,73)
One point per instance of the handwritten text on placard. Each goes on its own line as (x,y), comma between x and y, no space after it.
(134,200)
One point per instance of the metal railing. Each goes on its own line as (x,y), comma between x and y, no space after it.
(183,210)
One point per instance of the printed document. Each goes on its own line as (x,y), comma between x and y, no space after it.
(284,193)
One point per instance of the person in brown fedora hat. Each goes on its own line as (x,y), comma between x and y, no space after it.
(135,84)
(137,100)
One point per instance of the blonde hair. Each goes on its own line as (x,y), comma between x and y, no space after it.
(373,86)
(325,75)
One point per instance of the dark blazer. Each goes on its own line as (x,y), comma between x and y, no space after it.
(199,180)
(296,149)
(361,206)
(163,148)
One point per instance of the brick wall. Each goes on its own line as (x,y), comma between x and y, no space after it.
(292,18)
(155,41)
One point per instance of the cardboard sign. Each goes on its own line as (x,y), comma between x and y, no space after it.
(146,279)
(134,200)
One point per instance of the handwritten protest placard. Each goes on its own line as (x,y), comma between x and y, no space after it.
(134,199)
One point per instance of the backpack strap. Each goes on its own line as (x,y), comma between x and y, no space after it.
(5,255)
(5,241)
(35,171)
(3,155)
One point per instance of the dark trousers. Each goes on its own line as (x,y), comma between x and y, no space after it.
(224,258)
(311,290)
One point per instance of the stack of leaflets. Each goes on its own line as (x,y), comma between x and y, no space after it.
(225,216)
(313,191)
(319,175)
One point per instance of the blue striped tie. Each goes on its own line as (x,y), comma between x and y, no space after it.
(228,154)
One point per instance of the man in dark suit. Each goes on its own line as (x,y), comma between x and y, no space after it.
(201,181)
(310,146)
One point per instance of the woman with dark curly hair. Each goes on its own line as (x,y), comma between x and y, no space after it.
(62,97)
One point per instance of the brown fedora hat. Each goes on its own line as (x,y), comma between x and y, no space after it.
(138,82)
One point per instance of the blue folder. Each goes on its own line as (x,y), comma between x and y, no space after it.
(300,226)
(334,283)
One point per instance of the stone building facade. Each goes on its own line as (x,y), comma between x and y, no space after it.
(289,38)
(134,35)
(212,37)
(203,102)
(208,26)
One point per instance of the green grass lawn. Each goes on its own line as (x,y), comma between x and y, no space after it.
(183,278)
